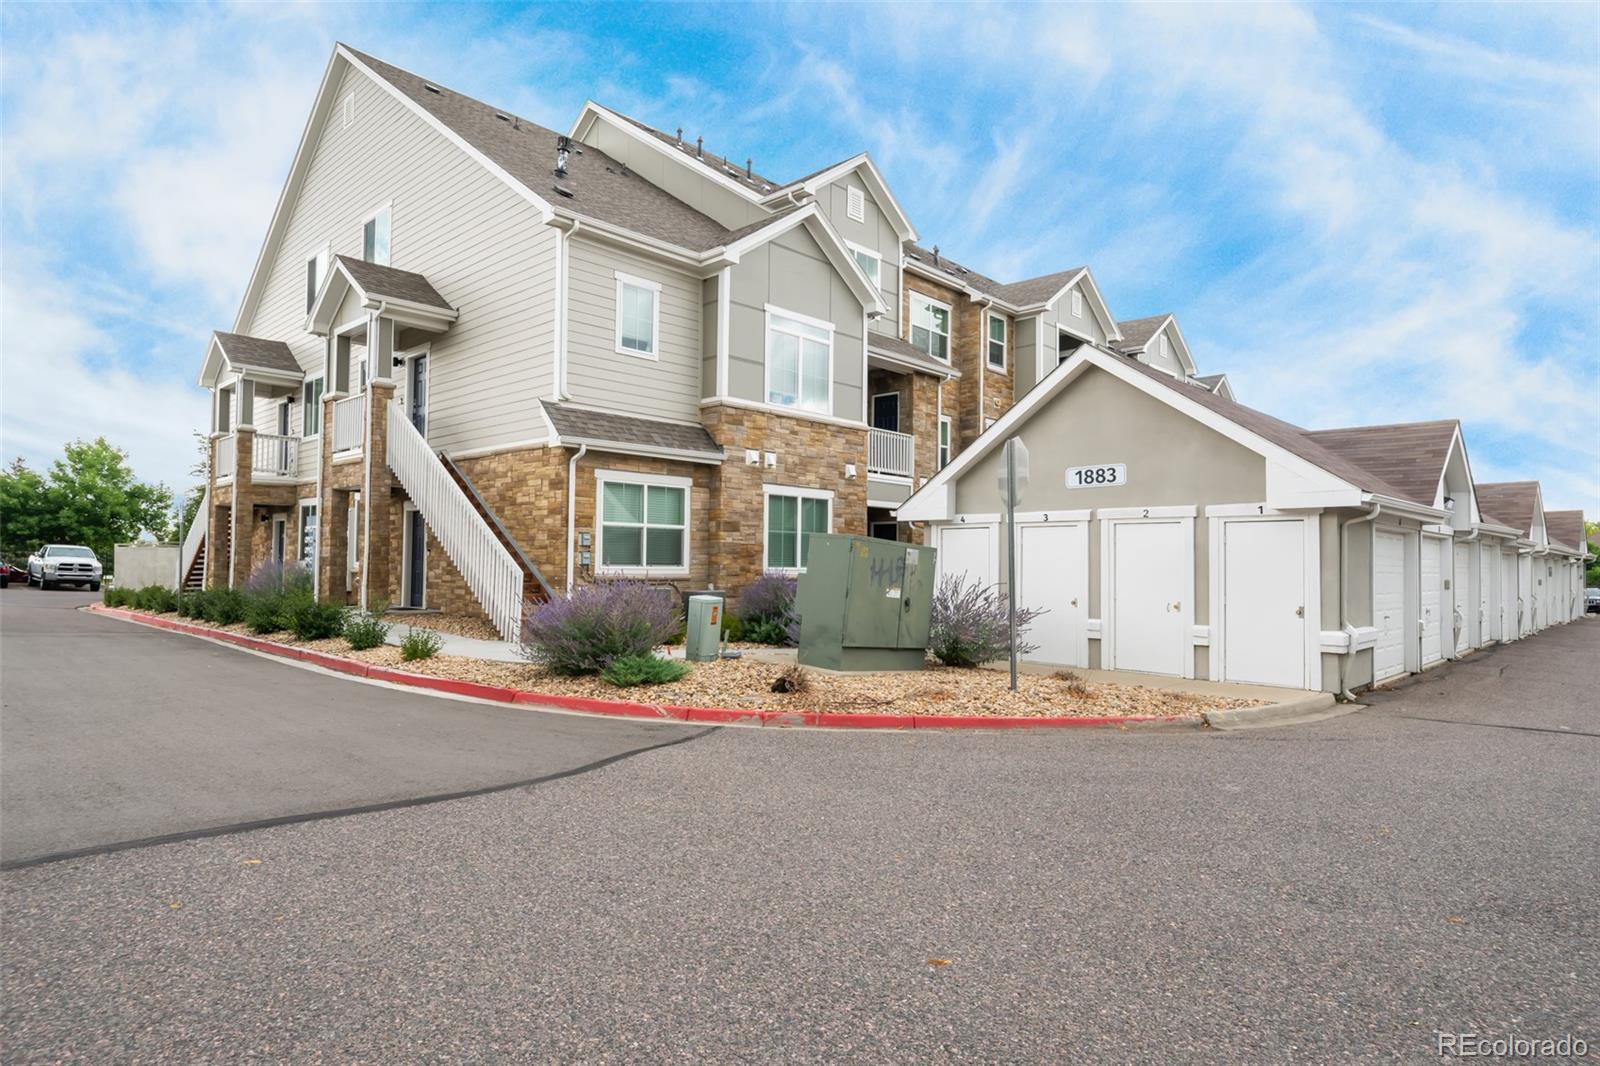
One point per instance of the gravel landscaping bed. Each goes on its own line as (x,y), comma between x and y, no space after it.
(747,684)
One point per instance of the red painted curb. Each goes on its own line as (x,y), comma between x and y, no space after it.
(626,708)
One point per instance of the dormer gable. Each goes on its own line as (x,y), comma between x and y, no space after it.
(1157,341)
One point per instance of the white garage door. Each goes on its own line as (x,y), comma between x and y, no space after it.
(1263,602)
(1432,600)
(1147,595)
(1052,574)
(1508,596)
(1486,615)
(1389,604)
(968,550)
(1461,592)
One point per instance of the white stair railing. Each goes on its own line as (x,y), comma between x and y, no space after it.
(890,453)
(274,455)
(347,422)
(194,538)
(490,571)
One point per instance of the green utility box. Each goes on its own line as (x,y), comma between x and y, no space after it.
(703,640)
(864,603)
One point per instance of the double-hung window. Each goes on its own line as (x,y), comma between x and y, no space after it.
(644,523)
(311,407)
(375,237)
(930,326)
(997,341)
(799,361)
(308,532)
(792,516)
(316,270)
(870,262)
(944,441)
(638,315)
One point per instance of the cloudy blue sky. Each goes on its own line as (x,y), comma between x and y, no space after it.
(1361,213)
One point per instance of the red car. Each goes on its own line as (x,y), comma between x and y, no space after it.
(5,574)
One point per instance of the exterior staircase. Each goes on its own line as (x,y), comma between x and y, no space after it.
(534,586)
(194,579)
(192,557)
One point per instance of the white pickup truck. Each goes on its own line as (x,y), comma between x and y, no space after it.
(64,564)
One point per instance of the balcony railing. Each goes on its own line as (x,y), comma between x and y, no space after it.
(348,424)
(891,454)
(274,456)
(227,457)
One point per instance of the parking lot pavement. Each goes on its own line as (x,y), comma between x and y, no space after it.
(115,732)
(1330,892)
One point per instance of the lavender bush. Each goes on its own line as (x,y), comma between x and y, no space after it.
(766,610)
(583,633)
(969,624)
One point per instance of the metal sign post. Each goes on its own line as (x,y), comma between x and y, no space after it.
(1013,481)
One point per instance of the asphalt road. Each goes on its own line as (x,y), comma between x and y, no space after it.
(1323,893)
(116,732)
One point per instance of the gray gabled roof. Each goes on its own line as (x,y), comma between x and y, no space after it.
(1410,456)
(595,185)
(1566,529)
(903,352)
(1037,290)
(1512,503)
(579,425)
(385,282)
(941,262)
(1140,331)
(258,352)
(1210,381)
(727,166)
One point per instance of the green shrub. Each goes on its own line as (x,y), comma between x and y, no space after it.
(189,604)
(263,614)
(364,631)
(223,607)
(313,619)
(767,607)
(117,597)
(155,598)
(274,595)
(420,644)
(732,627)
(627,671)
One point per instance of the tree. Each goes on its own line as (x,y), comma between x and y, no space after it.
(201,471)
(90,497)
(1591,536)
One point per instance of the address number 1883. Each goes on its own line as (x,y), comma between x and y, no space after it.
(1094,477)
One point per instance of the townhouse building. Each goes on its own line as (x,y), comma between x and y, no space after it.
(479,362)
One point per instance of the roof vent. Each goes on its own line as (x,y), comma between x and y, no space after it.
(936,255)
(562,190)
(699,148)
(680,134)
(749,172)
(502,118)
(432,88)
(563,146)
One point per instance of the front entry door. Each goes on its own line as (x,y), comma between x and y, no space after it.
(416,563)
(280,533)
(417,389)
(886,411)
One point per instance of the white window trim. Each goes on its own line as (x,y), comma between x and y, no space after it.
(302,505)
(801,493)
(323,254)
(302,397)
(1005,341)
(871,254)
(947,428)
(655,316)
(855,203)
(949,319)
(766,361)
(385,208)
(629,477)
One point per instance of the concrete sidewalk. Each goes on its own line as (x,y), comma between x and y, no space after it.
(496,651)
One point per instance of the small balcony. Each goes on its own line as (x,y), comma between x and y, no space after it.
(349,423)
(274,455)
(890,454)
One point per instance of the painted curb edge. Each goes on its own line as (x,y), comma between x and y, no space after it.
(629,709)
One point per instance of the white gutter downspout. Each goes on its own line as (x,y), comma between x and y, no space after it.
(1344,595)
(558,372)
(572,508)
(373,365)
(1457,619)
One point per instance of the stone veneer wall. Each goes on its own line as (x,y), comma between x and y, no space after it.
(969,346)
(811,454)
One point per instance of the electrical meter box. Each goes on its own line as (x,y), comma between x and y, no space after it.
(864,603)
(703,641)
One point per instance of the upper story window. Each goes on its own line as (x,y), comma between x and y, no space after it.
(870,262)
(311,407)
(644,522)
(375,237)
(1077,303)
(799,361)
(944,441)
(855,204)
(316,270)
(997,341)
(930,326)
(638,315)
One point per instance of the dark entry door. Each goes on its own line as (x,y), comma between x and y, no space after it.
(886,411)
(418,390)
(416,568)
